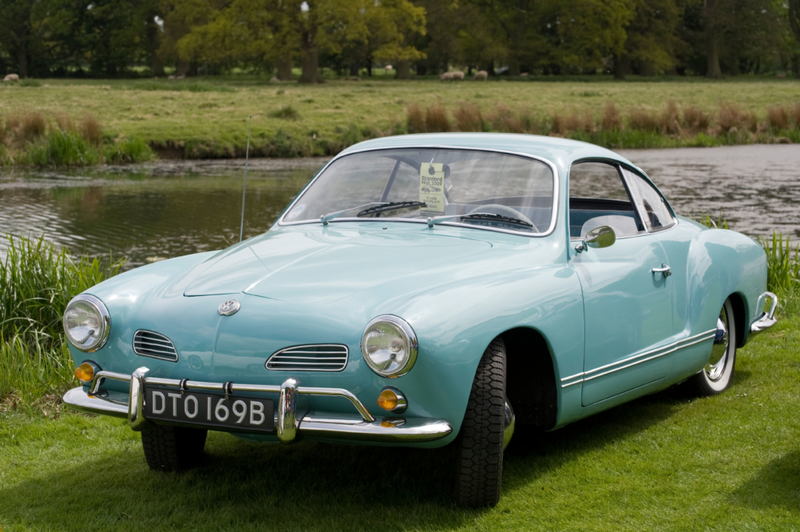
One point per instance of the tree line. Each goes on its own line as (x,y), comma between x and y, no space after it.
(111,38)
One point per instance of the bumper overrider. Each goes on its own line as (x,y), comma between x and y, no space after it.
(289,423)
(766,319)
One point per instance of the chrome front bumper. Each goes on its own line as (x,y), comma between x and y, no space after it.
(767,319)
(288,422)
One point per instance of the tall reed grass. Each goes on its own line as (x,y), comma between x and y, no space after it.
(36,283)
(783,266)
(670,126)
(31,138)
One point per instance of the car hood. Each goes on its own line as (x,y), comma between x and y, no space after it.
(322,265)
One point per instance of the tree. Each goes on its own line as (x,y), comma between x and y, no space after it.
(652,42)
(391,25)
(794,23)
(23,31)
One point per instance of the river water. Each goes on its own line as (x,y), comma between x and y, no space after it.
(166,209)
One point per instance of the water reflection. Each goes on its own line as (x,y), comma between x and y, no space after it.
(150,212)
(172,208)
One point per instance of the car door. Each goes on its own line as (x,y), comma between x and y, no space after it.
(627,305)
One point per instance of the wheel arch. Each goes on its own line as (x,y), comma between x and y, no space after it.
(531,381)
(739,303)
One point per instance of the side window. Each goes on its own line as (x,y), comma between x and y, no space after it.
(649,202)
(597,197)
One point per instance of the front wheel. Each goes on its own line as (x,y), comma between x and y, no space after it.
(717,374)
(480,443)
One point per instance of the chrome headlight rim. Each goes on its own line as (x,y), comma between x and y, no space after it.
(105,319)
(411,340)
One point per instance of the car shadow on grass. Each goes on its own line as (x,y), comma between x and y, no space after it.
(777,484)
(241,485)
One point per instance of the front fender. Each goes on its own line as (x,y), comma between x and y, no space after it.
(546,299)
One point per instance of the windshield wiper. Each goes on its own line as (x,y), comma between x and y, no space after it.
(391,206)
(488,216)
(374,207)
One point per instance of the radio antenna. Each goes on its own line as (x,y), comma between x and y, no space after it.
(244,188)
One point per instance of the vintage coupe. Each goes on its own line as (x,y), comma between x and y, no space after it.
(421,291)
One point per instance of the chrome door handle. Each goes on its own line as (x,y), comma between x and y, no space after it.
(664,269)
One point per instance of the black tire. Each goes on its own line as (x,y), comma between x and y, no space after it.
(168,448)
(479,464)
(717,374)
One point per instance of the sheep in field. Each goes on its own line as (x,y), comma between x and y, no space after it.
(480,75)
(447,76)
(11,77)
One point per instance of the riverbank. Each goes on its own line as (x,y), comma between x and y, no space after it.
(208,118)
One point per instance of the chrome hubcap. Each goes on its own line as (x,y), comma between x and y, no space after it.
(719,352)
(510,421)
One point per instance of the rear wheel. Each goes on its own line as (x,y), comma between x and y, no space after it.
(168,448)
(479,471)
(717,374)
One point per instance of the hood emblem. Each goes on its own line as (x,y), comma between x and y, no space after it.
(229,308)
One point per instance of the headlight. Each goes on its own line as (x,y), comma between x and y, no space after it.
(87,323)
(389,346)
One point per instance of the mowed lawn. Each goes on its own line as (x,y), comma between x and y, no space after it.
(664,462)
(213,112)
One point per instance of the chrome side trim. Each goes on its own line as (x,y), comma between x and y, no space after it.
(636,359)
(553,218)
(766,319)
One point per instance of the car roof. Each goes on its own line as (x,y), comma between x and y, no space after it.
(561,152)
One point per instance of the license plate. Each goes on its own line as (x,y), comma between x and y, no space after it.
(214,411)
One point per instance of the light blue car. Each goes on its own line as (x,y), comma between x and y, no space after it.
(422,291)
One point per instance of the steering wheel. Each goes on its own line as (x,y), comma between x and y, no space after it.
(504,210)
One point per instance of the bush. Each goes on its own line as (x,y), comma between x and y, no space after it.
(128,151)
(468,117)
(436,119)
(731,119)
(611,120)
(641,120)
(416,120)
(61,148)
(695,120)
(777,118)
(91,129)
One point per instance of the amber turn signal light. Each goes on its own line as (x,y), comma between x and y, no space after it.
(84,372)
(387,400)
(392,400)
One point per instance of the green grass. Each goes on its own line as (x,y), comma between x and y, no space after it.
(664,462)
(36,283)
(207,117)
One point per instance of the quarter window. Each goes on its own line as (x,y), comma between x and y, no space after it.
(597,197)
(649,202)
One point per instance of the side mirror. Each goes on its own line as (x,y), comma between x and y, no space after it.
(599,237)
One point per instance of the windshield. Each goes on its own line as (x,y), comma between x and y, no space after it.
(477,188)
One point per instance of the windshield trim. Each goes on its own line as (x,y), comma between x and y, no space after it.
(553,169)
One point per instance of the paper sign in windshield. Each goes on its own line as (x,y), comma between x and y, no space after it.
(431,187)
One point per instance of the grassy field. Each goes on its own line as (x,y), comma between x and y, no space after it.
(665,462)
(208,117)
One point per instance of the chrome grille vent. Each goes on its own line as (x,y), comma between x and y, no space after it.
(152,344)
(320,357)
